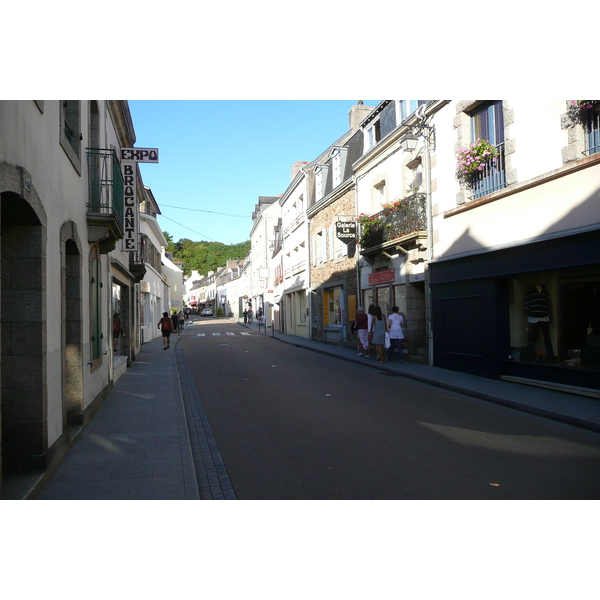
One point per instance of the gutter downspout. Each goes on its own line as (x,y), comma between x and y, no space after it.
(421,115)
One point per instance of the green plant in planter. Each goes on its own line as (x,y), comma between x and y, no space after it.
(371,231)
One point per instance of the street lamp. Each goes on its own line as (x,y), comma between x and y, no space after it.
(408,142)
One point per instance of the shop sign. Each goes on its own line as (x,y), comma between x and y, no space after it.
(381,277)
(345,231)
(129,157)
(143,155)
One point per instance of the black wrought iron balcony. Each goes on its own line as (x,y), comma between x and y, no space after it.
(396,220)
(137,264)
(105,198)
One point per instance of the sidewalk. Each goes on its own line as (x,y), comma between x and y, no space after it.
(137,446)
(561,406)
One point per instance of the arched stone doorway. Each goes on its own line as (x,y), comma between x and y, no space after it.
(22,324)
(72,317)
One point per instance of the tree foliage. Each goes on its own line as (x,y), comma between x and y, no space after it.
(205,256)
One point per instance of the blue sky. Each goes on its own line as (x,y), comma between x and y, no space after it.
(219,156)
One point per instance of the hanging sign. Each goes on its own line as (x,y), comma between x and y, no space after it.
(129,158)
(345,231)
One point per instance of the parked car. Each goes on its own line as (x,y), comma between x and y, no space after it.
(207,312)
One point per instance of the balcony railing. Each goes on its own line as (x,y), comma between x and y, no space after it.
(492,177)
(592,131)
(106,189)
(294,224)
(403,217)
(136,259)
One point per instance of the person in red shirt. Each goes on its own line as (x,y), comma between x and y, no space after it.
(165,325)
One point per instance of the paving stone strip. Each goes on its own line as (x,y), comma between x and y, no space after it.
(213,480)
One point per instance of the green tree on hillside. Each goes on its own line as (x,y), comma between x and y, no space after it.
(205,256)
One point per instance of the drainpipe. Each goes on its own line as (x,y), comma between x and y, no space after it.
(428,207)
(356,255)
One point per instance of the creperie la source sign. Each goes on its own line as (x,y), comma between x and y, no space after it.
(129,158)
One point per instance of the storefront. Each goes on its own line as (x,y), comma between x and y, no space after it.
(387,289)
(530,312)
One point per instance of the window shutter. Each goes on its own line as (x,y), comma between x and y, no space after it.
(331,249)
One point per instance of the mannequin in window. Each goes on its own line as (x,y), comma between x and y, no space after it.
(538,309)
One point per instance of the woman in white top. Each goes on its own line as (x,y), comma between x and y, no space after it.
(396,334)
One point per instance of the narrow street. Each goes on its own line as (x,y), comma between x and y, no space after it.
(294,424)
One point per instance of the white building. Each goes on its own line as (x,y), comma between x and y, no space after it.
(65,269)
(266,216)
(154,289)
(174,276)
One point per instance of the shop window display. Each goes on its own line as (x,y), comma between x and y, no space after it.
(555,319)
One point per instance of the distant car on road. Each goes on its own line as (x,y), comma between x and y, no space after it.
(207,312)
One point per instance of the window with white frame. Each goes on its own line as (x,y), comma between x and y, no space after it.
(378,196)
(591,126)
(338,163)
(487,123)
(373,134)
(320,181)
(319,249)
(416,176)
(408,107)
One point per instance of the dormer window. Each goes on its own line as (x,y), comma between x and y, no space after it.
(320,172)
(338,163)
(373,134)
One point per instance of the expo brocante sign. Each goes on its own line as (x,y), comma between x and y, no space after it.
(129,158)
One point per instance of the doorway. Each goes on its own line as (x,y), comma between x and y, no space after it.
(23,332)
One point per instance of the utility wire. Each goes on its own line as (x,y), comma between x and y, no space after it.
(207,211)
(180,225)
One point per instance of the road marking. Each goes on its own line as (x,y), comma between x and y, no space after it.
(216,334)
(200,334)
(245,334)
(230,333)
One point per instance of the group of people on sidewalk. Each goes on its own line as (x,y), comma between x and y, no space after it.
(376,331)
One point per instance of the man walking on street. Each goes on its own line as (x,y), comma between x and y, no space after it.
(165,325)
(362,340)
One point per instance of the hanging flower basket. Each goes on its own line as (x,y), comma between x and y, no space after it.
(585,104)
(473,159)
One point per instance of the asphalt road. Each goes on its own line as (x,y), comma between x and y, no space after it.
(295,424)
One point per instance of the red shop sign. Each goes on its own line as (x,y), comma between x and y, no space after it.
(381,277)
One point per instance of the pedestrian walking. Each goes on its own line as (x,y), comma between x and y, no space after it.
(116,331)
(396,334)
(166,326)
(245,314)
(379,328)
(174,322)
(181,322)
(362,330)
(250,315)
(370,313)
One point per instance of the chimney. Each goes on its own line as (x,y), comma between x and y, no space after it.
(295,168)
(358,113)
